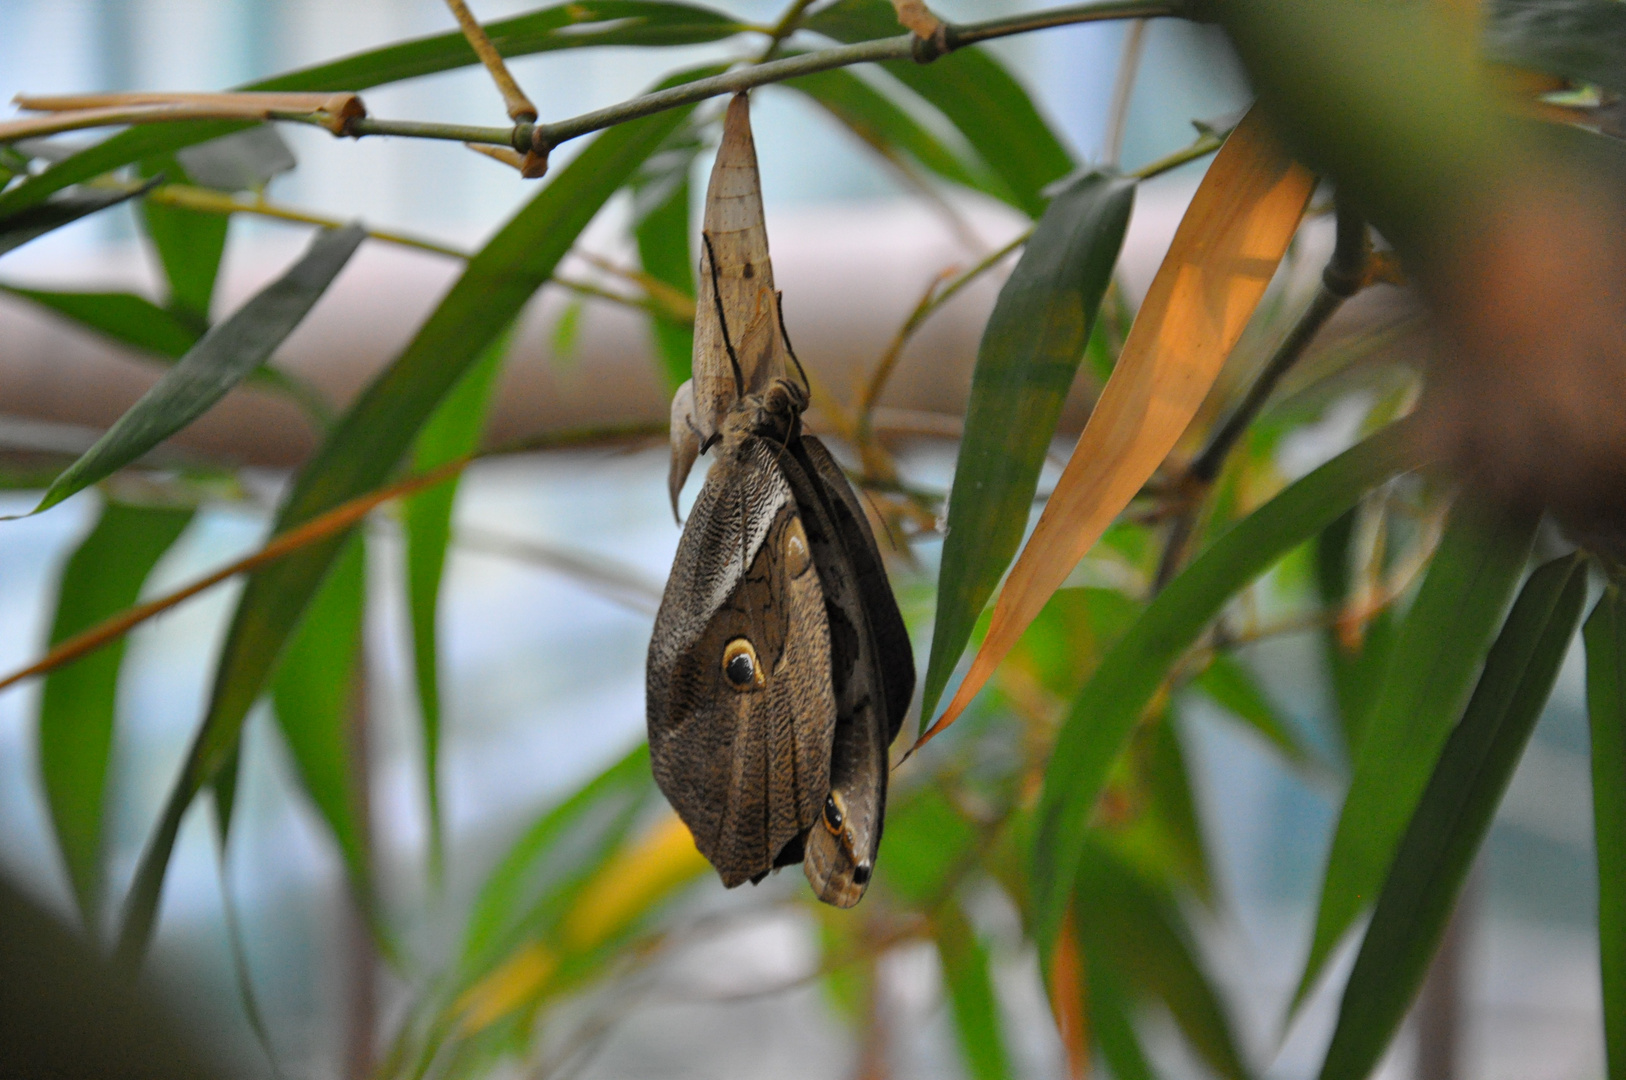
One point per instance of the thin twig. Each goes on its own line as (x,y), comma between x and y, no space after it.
(319,528)
(536,140)
(784,28)
(660,297)
(1122,90)
(933,299)
(520,109)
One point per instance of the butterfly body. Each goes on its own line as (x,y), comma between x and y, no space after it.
(779,670)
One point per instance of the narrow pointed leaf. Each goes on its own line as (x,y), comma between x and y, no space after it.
(366,446)
(77,704)
(1106,712)
(1356,669)
(1112,1021)
(1232,687)
(452,432)
(314,696)
(1220,261)
(1029,355)
(977,95)
(1453,816)
(1137,930)
(1606,706)
(189,245)
(220,360)
(972,1000)
(509,898)
(574,25)
(888,128)
(661,212)
(34,220)
(1438,651)
(123,317)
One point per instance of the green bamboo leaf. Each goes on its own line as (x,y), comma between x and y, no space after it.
(1453,816)
(660,211)
(1582,40)
(77,704)
(1233,688)
(972,1000)
(1137,931)
(369,442)
(927,838)
(888,128)
(1025,365)
(141,324)
(189,245)
(314,696)
(1356,672)
(1112,1023)
(1606,706)
(546,853)
(221,359)
(21,224)
(1439,649)
(124,317)
(1106,712)
(1164,840)
(975,92)
(452,432)
(574,25)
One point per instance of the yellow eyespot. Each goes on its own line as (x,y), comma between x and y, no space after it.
(833,817)
(797,558)
(740,666)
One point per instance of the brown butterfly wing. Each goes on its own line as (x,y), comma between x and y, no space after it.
(747,770)
(894,656)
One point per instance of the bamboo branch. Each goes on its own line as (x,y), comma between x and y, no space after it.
(520,109)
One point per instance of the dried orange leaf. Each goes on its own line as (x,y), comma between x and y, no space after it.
(1223,256)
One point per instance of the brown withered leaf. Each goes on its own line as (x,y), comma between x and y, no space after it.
(1223,256)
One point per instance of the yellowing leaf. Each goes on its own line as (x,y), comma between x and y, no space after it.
(631,882)
(1223,255)
(506,989)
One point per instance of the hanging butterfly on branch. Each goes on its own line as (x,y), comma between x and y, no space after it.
(780,670)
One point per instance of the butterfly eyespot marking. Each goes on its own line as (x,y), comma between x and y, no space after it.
(741,667)
(797,558)
(833,817)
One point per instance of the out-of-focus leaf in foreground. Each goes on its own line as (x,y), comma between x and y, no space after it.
(1606,707)
(1453,815)
(370,441)
(1440,646)
(220,360)
(1110,705)
(1025,365)
(1221,259)
(1581,40)
(77,705)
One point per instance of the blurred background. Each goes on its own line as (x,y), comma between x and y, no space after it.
(552,586)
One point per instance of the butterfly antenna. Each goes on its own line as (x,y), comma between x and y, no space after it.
(779,305)
(886,523)
(717,297)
